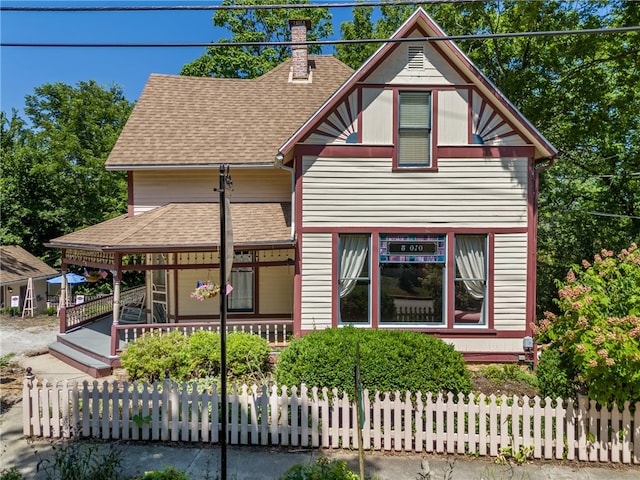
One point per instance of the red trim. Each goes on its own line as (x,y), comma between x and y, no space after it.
(450,279)
(335,298)
(491,285)
(532,218)
(433,134)
(492,357)
(359,121)
(484,151)
(130,202)
(346,150)
(391,229)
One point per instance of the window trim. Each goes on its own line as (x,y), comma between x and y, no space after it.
(433,104)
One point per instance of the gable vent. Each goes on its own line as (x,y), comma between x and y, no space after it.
(416,58)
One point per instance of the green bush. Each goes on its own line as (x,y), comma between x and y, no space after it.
(247,355)
(79,461)
(196,356)
(598,326)
(11,474)
(150,355)
(555,375)
(390,360)
(50,311)
(204,354)
(322,469)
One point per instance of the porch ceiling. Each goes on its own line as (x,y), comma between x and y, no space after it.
(185,227)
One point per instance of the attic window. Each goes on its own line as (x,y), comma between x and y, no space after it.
(415,59)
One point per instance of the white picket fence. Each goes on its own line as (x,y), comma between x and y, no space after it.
(310,417)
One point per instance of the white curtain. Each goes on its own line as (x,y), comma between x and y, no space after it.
(353,254)
(471,263)
(241,297)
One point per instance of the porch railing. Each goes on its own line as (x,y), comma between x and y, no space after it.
(276,332)
(77,315)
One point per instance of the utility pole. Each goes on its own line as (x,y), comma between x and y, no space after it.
(224,180)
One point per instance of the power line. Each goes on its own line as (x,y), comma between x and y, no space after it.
(286,6)
(600,214)
(591,31)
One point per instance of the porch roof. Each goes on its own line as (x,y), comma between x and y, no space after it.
(185,227)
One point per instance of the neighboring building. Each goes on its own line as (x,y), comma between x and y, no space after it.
(401,195)
(17,267)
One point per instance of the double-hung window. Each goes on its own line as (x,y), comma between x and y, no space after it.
(414,129)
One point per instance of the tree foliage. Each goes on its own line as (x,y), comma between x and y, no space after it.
(598,328)
(581,91)
(53,176)
(256,25)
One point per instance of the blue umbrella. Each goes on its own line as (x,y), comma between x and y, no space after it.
(72,279)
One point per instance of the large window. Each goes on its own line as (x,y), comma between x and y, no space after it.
(412,279)
(354,286)
(471,279)
(414,129)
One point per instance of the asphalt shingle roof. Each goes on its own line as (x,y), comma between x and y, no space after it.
(182,120)
(17,265)
(185,226)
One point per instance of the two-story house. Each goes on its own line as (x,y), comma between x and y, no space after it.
(401,195)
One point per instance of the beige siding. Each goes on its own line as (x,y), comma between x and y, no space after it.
(377,118)
(276,290)
(510,281)
(155,188)
(486,344)
(436,71)
(464,192)
(453,117)
(316,281)
(187,280)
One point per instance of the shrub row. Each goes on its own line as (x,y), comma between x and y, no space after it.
(195,356)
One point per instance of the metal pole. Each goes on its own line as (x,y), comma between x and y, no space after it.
(223,329)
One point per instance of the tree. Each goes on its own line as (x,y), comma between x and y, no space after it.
(53,179)
(580,91)
(256,25)
(597,332)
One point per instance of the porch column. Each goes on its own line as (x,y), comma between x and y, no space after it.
(117,280)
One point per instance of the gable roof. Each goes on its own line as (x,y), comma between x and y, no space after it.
(421,21)
(183,121)
(185,227)
(18,265)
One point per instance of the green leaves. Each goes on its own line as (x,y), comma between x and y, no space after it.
(53,178)
(256,25)
(598,328)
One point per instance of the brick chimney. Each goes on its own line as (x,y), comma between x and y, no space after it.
(300,54)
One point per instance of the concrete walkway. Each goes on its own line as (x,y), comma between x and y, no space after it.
(252,463)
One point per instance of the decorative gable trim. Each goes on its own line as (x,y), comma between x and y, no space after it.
(420,20)
(341,126)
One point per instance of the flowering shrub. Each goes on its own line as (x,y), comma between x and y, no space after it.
(205,290)
(598,328)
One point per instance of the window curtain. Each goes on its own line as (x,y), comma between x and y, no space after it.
(242,294)
(471,263)
(353,254)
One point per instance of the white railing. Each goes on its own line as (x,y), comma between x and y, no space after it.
(276,332)
(98,306)
(479,425)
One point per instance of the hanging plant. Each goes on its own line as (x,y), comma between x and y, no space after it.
(205,290)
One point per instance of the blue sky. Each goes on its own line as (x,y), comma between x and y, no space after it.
(24,68)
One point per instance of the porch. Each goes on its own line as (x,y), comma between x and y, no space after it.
(91,342)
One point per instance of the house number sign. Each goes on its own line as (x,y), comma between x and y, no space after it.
(412,248)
